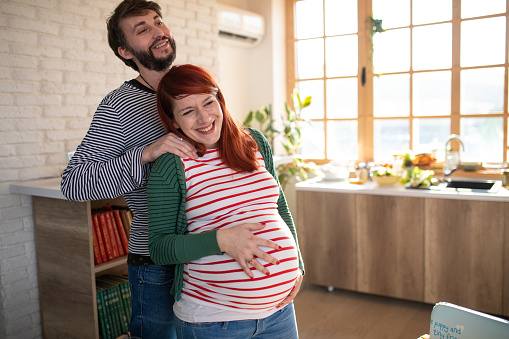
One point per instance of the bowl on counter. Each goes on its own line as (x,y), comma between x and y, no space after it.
(470,166)
(386,180)
(332,172)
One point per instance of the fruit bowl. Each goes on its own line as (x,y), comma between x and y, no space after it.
(386,180)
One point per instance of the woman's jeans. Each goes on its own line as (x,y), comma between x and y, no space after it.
(280,325)
(151,301)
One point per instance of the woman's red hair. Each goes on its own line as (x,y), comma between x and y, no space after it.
(236,147)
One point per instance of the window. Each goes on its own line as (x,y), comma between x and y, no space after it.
(439,68)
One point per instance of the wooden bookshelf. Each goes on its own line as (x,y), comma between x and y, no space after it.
(65,260)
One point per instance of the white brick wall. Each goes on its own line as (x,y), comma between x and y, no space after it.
(55,67)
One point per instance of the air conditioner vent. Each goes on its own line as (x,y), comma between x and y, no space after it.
(240,27)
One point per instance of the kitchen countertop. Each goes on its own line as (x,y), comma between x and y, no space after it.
(319,185)
(48,188)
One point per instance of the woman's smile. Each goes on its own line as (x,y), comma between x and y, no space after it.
(200,117)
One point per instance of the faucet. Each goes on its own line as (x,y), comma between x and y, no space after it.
(452,159)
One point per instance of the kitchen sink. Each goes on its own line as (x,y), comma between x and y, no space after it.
(481,186)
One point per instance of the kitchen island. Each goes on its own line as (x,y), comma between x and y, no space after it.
(421,245)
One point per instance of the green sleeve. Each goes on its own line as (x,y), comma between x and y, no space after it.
(282,206)
(167,223)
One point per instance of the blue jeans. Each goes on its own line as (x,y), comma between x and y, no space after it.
(151,301)
(280,325)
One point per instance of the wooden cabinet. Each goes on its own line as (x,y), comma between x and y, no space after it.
(65,266)
(415,248)
(464,253)
(327,238)
(390,246)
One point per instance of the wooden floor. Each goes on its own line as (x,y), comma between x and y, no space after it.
(344,314)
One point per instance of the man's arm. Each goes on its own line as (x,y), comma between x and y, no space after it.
(102,167)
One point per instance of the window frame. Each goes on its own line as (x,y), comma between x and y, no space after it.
(365,117)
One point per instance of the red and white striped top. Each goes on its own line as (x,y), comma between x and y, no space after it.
(215,288)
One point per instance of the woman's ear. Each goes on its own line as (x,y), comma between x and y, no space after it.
(175,124)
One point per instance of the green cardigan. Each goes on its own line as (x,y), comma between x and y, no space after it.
(167,224)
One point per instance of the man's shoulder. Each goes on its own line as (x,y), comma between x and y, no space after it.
(126,91)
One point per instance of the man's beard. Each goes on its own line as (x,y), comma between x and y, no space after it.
(149,61)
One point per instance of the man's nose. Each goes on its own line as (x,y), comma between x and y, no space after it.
(158,32)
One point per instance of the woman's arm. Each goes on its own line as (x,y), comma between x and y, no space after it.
(167,219)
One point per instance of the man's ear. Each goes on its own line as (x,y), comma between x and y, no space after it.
(125,53)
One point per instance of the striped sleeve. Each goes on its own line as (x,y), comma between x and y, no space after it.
(100,168)
(167,222)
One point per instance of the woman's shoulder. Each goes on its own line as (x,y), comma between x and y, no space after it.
(257,136)
(166,162)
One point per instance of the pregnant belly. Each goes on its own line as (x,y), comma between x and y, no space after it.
(220,281)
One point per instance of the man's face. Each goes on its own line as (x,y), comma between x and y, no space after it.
(149,41)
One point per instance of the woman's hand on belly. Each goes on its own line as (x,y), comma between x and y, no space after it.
(294,292)
(241,244)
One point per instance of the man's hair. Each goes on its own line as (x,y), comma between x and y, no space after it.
(127,8)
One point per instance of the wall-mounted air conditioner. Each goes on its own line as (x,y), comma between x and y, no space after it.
(239,27)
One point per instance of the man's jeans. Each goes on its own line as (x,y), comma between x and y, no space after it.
(151,301)
(280,325)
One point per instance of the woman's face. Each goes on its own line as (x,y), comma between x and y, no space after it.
(200,117)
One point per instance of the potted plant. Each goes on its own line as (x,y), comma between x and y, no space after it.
(291,136)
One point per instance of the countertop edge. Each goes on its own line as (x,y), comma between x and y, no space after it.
(47,188)
(371,188)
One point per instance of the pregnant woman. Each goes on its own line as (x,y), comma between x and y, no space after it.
(199,209)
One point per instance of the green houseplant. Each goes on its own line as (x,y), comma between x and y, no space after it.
(291,136)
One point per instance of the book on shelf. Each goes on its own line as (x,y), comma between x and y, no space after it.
(97,254)
(111,226)
(113,234)
(121,230)
(104,322)
(126,220)
(117,286)
(114,290)
(100,238)
(106,235)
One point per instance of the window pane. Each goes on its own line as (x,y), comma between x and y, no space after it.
(340,17)
(308,19)
(483,139)
(391,95)
(429,11)
(391,136)
(342,140)
(391,51)
(342,98)
(310,60)
(314,89)
(341,55)
(483,42)
(393,13)
(432,47)
(430,134)
(432,93)
(482,91)
(313,140)
(473,8)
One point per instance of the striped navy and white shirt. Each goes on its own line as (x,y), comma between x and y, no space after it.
(107,163)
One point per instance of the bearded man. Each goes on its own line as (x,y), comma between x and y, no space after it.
(114,158)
